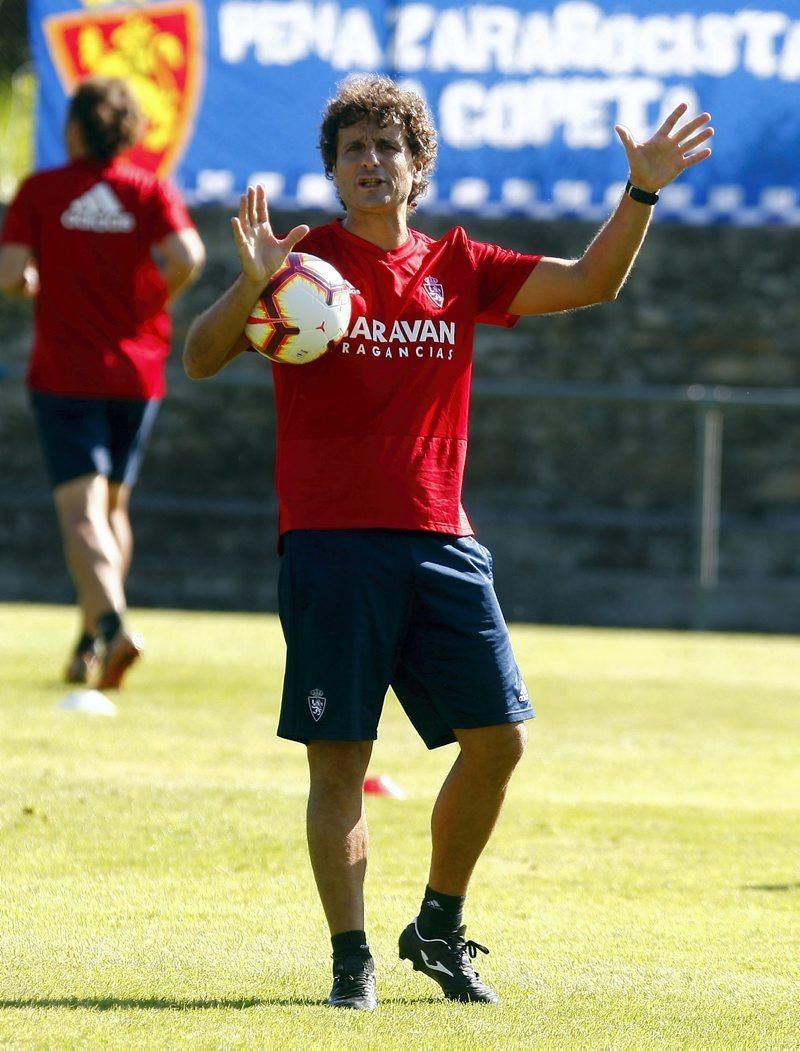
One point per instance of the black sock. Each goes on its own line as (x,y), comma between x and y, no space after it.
(440,914)
(350,943)
(85,643)
(108,625)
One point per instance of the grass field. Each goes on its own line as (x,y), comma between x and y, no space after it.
(642,890)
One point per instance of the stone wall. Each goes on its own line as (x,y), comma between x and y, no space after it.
(589,504)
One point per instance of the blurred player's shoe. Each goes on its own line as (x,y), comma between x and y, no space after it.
(448,962)
(354,983)
(118,655)
(83,664)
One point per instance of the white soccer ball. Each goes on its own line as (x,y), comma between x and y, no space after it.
(302,313)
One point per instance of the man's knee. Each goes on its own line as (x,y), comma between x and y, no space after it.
(497,749)
(338,765)
(510,746)
(81,500)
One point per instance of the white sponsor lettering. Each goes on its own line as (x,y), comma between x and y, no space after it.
(374,331)
(388,352)
(411,331)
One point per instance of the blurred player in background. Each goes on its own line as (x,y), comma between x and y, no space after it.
(382,582)
(84,239)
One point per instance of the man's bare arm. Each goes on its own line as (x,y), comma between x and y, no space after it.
(216,336)
(184,256)
(18,273)
(599,274)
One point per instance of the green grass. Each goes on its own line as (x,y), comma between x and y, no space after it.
(641,891)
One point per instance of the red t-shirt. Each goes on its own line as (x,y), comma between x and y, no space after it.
(374,433)
(101,324)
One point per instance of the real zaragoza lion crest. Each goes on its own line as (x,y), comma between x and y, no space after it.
(435,289)
(157,48)
(316,704)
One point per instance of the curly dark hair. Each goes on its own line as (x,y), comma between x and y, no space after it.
(108,115)
(375,97)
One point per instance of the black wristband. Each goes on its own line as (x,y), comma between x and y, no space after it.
(642,196)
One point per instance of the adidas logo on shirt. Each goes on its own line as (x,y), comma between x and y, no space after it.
(98,210)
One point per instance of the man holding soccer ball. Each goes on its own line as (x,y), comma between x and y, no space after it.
(382,581)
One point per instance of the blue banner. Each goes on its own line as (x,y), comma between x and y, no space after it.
(525,94)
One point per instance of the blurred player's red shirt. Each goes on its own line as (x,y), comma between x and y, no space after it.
(101,324)
(374,433)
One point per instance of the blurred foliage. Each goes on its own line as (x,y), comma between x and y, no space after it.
(17,105)
(14,37)
(17,97)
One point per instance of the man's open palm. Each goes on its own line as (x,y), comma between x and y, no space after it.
(655,163)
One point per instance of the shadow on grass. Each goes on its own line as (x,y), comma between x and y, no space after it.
(772,886)
(113,1003)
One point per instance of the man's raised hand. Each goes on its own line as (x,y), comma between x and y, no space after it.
(261,253)
(672,149)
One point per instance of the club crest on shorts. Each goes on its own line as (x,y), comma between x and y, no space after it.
(316,704)
(435,289)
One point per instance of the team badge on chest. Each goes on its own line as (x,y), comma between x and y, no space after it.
(435,290)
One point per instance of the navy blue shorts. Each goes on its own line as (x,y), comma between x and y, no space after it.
(82,436)
(366,609)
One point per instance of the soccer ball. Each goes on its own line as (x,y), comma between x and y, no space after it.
(302,313)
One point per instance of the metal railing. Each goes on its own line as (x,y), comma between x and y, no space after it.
(708,402)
